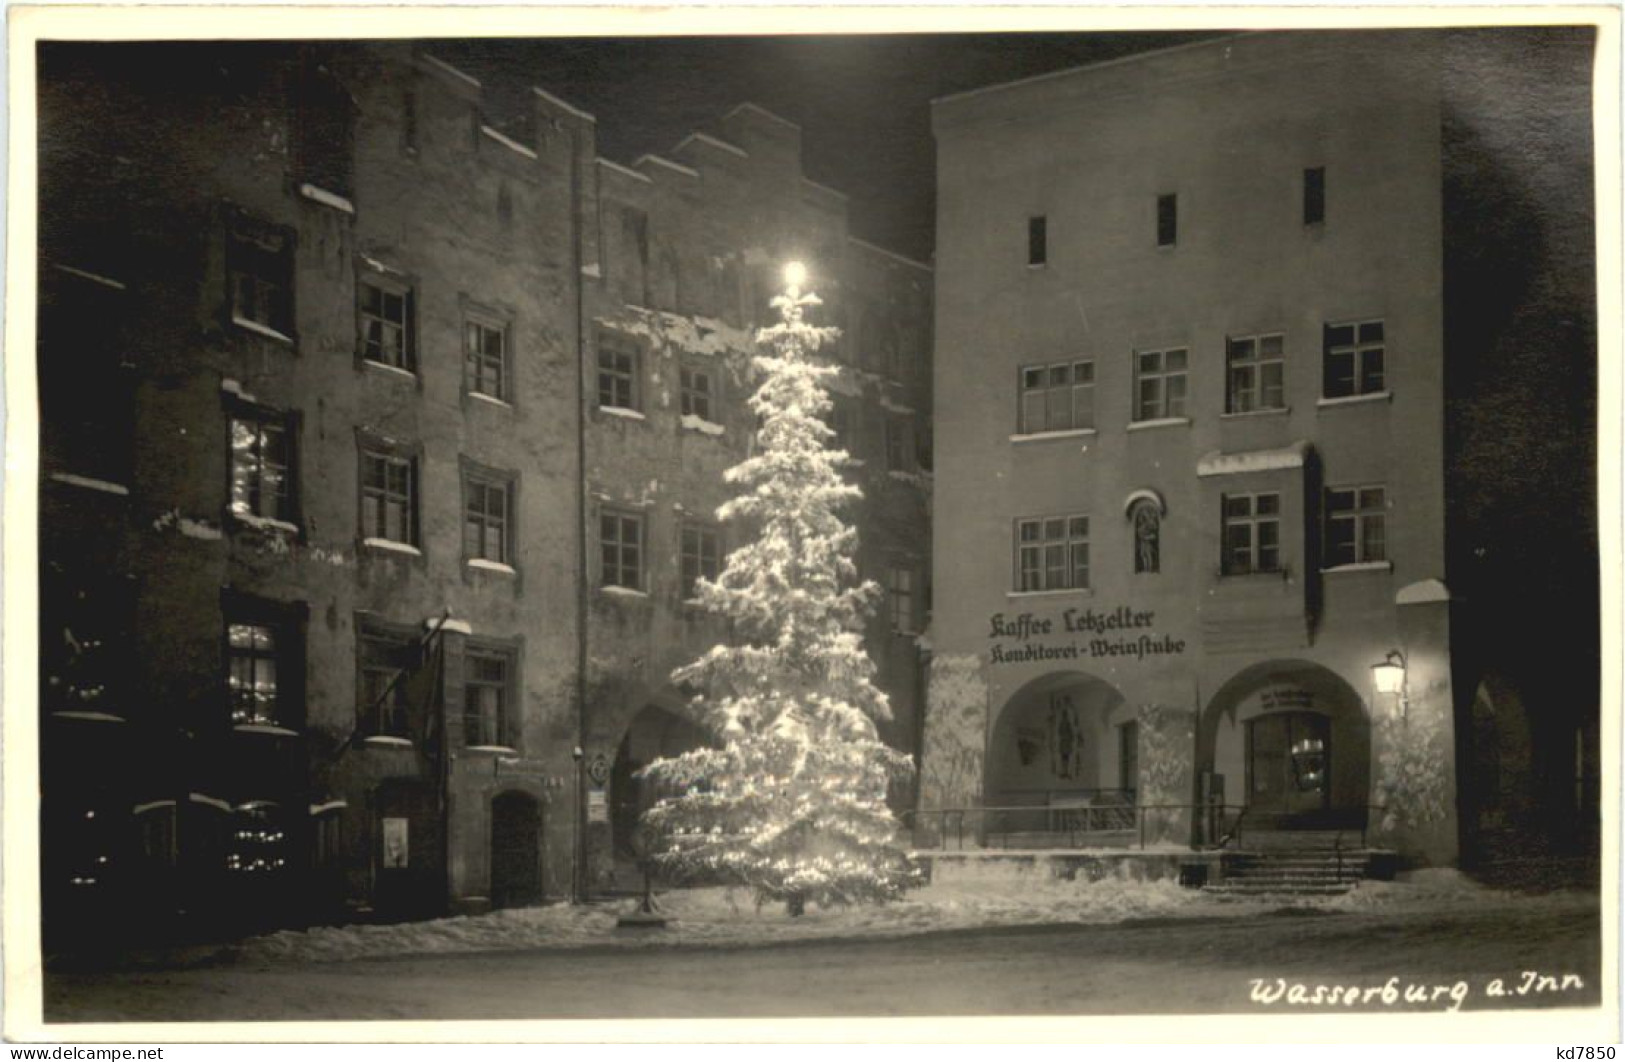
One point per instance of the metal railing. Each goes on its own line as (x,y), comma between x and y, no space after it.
(1063,825)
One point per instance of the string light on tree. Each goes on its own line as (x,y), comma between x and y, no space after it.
(793,803)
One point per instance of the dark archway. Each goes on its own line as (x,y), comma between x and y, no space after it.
(1062,744)
(516,850)
(1290,741)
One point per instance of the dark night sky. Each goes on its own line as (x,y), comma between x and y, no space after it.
(863,102)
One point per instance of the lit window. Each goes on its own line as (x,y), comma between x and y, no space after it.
(1255,369)
(1057,397)
(485,358)
(1356,525)
(389,497)
(1159,384)
(262,465)
(384,314)
(1052,553)
(620,537)
(251,676)
(1354,363)
(1252,533)
(701,557)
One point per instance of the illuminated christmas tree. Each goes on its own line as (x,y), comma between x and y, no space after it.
(792,804)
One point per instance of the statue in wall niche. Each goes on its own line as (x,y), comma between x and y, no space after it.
(1147,534)
(1066,731)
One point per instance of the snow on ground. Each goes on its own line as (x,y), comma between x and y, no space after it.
(961,897)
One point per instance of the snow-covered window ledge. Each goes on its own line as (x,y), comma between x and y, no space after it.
(91,483)
(705,427)
(265,730)
(1248,414)
(269,524)
(1160,422)
(492,750)
(386,741)
(1362,566)
(624,591)
(490,400)
(622,412)
(390,370)
(482,565)
(1355,400)
(326,198)
(1051,436)
(389,545)
(1078,591)
(258,329)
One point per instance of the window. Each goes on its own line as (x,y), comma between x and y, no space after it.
(1128,758)
(1052,553)
(259,268)
(1146,516)
(487,518)
(1255,373)
(487,698)
(617,373)
(384,317)
(900,599)
(86,386)
(1314,195)
(325,149)
(1252,533)
(389,497)
(842,421)
(1354,359)
(1159,384)
(1057,397)
(899,442)
(620,537)
(1037,241)
(262,465)
(701,557)
(485,358)
(1167,220)
(381,693)
(251,674)
(1356,525)
(695,398)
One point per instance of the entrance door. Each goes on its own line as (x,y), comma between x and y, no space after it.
(516,854)
(1289,763)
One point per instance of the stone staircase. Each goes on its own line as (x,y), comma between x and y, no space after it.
(1298,863)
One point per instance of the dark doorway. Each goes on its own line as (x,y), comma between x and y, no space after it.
(1289,764)
(516,850)
(408,851)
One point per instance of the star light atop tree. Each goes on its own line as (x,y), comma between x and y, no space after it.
(793,803)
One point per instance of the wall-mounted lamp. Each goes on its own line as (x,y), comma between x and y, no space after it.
(1389,677)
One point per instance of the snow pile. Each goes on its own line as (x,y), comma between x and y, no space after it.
(960,899)
(1437,887)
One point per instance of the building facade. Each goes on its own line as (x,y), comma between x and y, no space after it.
(332,625)
(1190,396)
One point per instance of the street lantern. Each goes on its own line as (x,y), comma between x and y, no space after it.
(1389,675)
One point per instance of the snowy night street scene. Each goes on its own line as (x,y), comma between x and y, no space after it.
(709,525)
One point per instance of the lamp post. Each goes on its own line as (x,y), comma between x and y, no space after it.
(1388,676)
(578,833)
